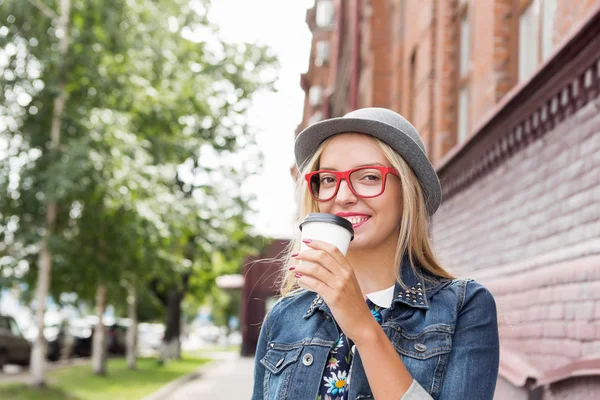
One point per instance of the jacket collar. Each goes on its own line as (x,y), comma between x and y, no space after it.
(415,296)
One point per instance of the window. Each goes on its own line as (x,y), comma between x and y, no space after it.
(535,31)
(464,65)
(325,13)
(548,13)
(316,117)
(315,96)
(322,53)
(14,328)
(528,40)
(465,45)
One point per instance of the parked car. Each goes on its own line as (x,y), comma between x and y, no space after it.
(150,335)
(14,348)
(115,336)
(81,333)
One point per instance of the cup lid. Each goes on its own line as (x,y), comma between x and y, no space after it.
(331,219)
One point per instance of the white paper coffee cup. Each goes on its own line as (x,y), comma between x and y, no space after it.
(328,228)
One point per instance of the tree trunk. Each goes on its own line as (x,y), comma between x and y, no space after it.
(171,347)
(99,347)
(38,354)
(132,331)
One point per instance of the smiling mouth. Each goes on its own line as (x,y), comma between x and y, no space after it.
(356,221)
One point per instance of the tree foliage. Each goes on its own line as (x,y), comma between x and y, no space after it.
(148,172)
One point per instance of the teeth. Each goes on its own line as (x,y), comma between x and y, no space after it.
(357,220)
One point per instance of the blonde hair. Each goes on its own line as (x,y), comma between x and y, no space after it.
(413,238)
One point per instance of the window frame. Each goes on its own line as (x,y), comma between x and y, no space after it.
(322,46)
(519,7)
(330,7)
(463,80)
(315,100)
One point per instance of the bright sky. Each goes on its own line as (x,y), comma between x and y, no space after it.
(280,25)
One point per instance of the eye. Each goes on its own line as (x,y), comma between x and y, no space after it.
(371,177)
(327,180)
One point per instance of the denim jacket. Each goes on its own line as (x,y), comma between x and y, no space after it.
(445,332)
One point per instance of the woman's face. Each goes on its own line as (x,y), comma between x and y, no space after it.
(375,220)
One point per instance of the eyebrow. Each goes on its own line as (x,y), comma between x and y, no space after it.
(358,166)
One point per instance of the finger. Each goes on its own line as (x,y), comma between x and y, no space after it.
(320,257)
(329,248)
(315,285)
(313,265)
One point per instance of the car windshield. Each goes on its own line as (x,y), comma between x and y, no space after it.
(14,328)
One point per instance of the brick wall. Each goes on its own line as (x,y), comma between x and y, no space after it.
(377,72)
(316,75)
(581,388)
(419,38)
(392,31)
(544,198)
(482,82)
(446,70)
(506,390)
(568,16)
(530,231)
(397,28)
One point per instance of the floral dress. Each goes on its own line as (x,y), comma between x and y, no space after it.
(335,380)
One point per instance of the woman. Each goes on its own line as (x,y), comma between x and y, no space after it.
(386,321)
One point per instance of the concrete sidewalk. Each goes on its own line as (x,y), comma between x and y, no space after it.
(229,377)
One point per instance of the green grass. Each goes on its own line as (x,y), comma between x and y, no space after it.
(79,383)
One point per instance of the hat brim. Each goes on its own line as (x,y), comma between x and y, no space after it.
(309,140)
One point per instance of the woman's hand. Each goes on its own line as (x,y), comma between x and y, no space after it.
(328,273)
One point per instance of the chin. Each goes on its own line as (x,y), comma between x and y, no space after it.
(359,243)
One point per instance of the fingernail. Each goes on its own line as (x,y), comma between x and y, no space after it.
(298,275)
(306,240)
(292,268)
(294,255)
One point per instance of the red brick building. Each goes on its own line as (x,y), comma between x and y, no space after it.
(259,292)
(506,95)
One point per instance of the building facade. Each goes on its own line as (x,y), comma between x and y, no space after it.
(259,292)
(506,96)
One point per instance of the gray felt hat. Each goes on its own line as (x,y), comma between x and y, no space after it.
(387,126)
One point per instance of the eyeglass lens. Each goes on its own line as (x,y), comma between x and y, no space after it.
(366,182)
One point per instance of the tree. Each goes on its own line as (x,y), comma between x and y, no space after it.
(128,195)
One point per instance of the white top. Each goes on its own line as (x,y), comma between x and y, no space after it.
(382,298)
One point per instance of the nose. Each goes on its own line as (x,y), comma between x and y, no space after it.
(344,195)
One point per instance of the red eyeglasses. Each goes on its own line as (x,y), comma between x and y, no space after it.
(365,182)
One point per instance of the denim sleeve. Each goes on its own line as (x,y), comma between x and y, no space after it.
(259,369)
(474,361)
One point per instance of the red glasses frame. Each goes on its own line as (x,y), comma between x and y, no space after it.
(346,176)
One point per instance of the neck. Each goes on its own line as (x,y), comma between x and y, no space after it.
(374,269)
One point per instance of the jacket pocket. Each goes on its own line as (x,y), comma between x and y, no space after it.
(425,354)
(279,356)
(279,360)
(432,341)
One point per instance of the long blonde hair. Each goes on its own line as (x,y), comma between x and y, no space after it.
(413,238)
